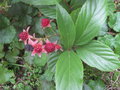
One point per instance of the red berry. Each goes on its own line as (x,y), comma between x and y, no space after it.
(49,47)
(23,36)
(38,48)
(45,23)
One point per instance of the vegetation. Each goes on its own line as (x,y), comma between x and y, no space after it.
(59,45)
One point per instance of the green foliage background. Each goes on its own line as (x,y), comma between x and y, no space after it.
(20,71)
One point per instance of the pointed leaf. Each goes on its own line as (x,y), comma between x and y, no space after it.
(7,34)
(5,74)
(66,27)
(90,20)
(69,72)
(114,22)
(98,55)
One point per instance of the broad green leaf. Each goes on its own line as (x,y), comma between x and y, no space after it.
(40,61)
(5,74)
(74,14)
(7,34)
(52,60)
(114,22)
(117,39)
(98,55)
(37,26)
(41,2)
(17,44)
(96,85)
(104,30)
(11,55)
(108,39)
(22,8)
(69,72)
(28,58)
(4,21)
(117,44)
(90,20)
(66,27)
(24,21)
(48,11)
(36,60)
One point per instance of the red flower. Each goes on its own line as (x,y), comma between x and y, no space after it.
(49,46)
(45,23)
(24,36)
(37,47)
(58,47)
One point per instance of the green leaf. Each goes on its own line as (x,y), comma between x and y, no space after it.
(110,7)
(22,8)
(28,58)
(98,55)
(52,60)
(41,2)
(4,21)
(74,14)
(48,11)
(114,22)
(37,26)
(108,39)
(36,60)
(69,72)
(45,85)
(117,44)
(97,85)
(1,51)
(1,47)
(7,34)
(90,20)
(5,74)
(48,75)
(17,44)
(86,87)
(2,54)
(103,30)
(116,75)
(40,61)
(11,55)
(66,27)
(76,3)
(24,21)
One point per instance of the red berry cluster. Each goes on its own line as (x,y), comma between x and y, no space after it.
(36,44)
